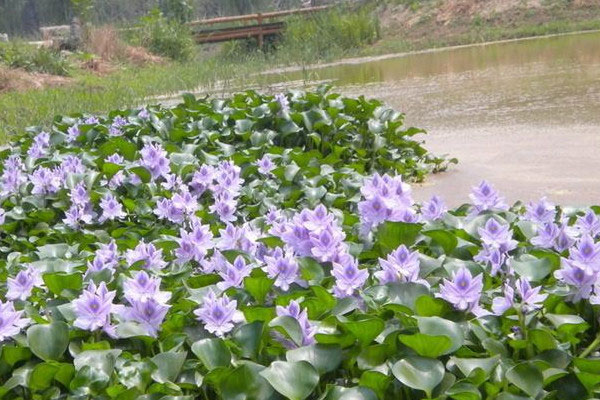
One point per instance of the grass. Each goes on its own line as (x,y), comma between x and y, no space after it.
(478,34)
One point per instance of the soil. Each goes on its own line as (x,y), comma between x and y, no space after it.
(21,80)
(434,20)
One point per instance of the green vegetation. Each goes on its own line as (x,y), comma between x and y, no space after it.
(164,37)
(34,59)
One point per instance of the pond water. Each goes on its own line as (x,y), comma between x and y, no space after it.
(523,114)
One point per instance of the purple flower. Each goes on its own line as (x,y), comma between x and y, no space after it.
(45,181)
(326,244)
(173,182)
(579,277)
(265,165)
(589,224)
(485,197)
(195,244)
(12,175)
(202,179)
(72,165)
(225,208)
(108,253)
(463,291)
(546,236)
(149,313)
(79,195)
(541,213)
(111,209)
(73,132)
(40,145)
(11,321)
(497,235)
(434,209)
(155,160)
(530,298)
(119,121)
(20,287)
(166,210)
(586,252)
(217,262)
(94,308)
(284,104)
(142,287)
(114,131)
(91,121)
(146,252)
(218,314)
(282,267)
(234,274)
(97,265)
(186,202)
(115,159)
(564,240)
(401,265)
(493,256)
(227,179)
(144,114)
(242,238)
(308,329)
(348,277)
(386,198)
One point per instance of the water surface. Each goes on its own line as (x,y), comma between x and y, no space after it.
(523,114)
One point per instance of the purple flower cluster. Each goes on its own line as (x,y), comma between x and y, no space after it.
(149,256)
(218,314)
(111,209)
(233,275)
(401,265)
(40,146)
(484,197)
(386,198)
(21,286)
(348,277)
(46,181)
(194,244)
(94,309)
(282,267)
(147,304)
(497,241)
(11,321)
(464,291)
(80,211)
(13,175)
(313,233)
(434,209)
(530,298)
(155,160)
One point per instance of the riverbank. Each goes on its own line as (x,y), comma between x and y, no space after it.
(128,85)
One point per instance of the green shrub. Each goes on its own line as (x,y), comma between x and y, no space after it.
(164,37)
(33,59)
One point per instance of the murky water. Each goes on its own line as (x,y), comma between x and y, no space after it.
(524,115)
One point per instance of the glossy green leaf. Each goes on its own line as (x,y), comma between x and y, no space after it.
(305,379)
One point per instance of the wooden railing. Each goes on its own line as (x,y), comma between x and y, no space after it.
(259,30)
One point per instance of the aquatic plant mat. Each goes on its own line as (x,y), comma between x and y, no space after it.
(264,247)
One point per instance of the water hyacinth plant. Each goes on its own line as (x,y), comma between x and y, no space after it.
(268,248)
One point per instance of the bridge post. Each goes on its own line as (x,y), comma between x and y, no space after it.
(261,36)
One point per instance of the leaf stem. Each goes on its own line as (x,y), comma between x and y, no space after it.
(593,346)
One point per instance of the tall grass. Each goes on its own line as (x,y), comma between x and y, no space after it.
(17,54)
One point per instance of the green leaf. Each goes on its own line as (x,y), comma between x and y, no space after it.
(57,282)
(447,240)
(142,173)
(258,287)
(100,363)
(352,393)
(532,268)
(365,330)
(110,169)
(419,373)
(248,338)
(526,377)
(289,326)
(464,391)
(441,326)
(390,235)
(48,341)
(325,358)
(119,145)
(304,381)
(246,383)
(212,352)
(169,365)
(468,365)
(427,345)
(428,306)
(42,376)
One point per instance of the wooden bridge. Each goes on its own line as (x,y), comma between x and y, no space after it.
(263,25)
